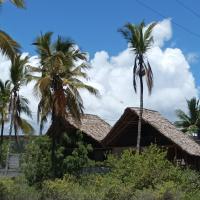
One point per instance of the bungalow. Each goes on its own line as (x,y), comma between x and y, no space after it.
(155,130)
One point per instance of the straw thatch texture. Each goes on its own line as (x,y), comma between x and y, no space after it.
(91,125)
(162,125)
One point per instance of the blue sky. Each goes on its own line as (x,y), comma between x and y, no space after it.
(93,24)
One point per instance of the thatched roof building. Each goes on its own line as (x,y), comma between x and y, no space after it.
(155,130)
(91,125)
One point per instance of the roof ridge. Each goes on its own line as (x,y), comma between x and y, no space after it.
(138,108)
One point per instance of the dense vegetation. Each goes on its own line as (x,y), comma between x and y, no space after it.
(145,176)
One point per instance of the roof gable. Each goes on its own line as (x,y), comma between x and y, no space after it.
(161,124)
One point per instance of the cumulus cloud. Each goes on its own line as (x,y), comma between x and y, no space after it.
(112,75)
(162,32)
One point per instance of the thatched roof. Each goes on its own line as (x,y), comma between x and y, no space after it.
(165,127)
(92,125)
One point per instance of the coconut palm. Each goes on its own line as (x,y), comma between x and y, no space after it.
(4,102)
(59,81)
(140,39)
(18,104)
(189,123)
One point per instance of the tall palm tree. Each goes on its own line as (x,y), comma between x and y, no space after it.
(59,83)
(4,102)
(60,80)
(18,104)
(189,123)
(140,39)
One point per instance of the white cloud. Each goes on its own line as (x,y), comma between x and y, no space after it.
(162,32)
(112,75)
(192,57)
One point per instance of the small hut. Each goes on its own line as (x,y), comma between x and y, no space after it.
(155,130)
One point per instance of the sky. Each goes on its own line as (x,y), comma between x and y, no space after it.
(94,25)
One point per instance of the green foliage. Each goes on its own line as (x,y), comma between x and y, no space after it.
(3,153)
(147,169)
(189,122)
(37,160)
(75,155)
(65,189)
(132,176)
(17,189)
(71,154)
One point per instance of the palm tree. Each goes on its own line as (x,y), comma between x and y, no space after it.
(140,39)
(17,3)
(18,104)
(59,83)
(4,102)
(189,123)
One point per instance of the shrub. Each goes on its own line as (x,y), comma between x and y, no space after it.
(71,154)
(141,170)
(3,153)
(17,189)
(37,160)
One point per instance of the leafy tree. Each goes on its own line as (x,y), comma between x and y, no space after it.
(4,103)
(189,123)
(18,104)
(140,39)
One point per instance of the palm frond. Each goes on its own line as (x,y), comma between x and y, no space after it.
(18,3)
(149,77)
(8,46)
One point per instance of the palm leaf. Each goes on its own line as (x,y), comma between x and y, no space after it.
(8,46)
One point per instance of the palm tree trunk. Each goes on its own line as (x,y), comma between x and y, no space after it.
(2,127)
(1,142)
(141,109)
(41,127)
(16,133)
(2,130)
(11,123)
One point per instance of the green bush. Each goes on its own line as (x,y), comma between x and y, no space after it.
(17,189)
(71,154)
(37,160)
(142,170)
(132,176)
(3,153)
